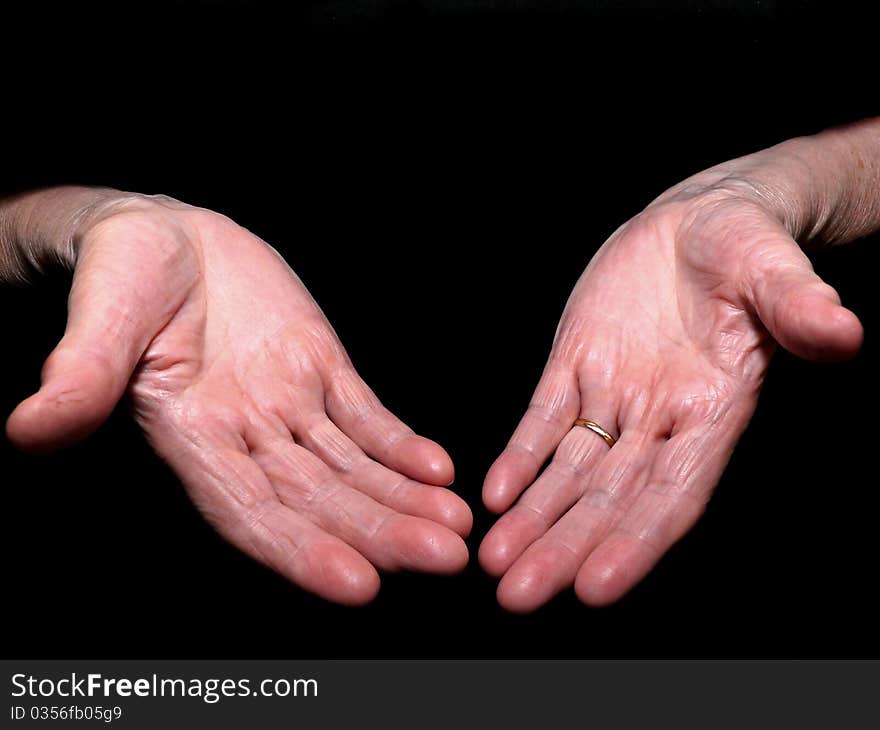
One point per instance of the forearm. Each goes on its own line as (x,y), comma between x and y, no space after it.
(824,188)
(38,228)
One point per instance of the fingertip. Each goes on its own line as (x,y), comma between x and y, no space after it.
(70,405)
(530,582)
(425,461)
(819,328)
(494,498)
(611,572)
(361,589)
(450,554)
(346,577)
(505,542)
(18,429)
(832,335)
(495,489)
(505,481)
(458,557)
(599,585)
(492,502)
(426,546)
(519,591)
(498,495)
(457,515)
(494,555)
(439,504)
(848,333)
(40,425)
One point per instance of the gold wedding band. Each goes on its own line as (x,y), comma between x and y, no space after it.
(596,428)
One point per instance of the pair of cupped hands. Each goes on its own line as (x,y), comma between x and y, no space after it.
(240,383)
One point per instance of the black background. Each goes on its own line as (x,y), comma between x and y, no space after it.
(438,174)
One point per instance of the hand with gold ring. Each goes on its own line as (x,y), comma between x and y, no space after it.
(658,361)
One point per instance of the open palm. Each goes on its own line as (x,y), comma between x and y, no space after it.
(664,343)
(241,385)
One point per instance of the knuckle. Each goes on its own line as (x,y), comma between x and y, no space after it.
(599,500)
(545,412)
(253,500)
(576,451)
(353,394)
(653,222)
(706,404)
(318,491)
(194,415)
(597,369)
(332,446)
(143,225)
(569,342)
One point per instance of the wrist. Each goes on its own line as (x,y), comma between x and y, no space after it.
(806,183)
(824,189)
(777,180)
(40,228)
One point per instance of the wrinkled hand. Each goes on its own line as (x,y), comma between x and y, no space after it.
(664,342)
(240,383)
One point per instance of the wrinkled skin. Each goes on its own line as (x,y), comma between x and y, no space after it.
(665,342)
(241,385)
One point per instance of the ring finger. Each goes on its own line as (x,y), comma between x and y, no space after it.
(554,492)
(550,564)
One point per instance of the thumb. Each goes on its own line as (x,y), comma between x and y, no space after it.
(111,320)
(801,311)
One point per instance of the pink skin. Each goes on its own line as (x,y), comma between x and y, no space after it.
(664,342)
(241,385)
